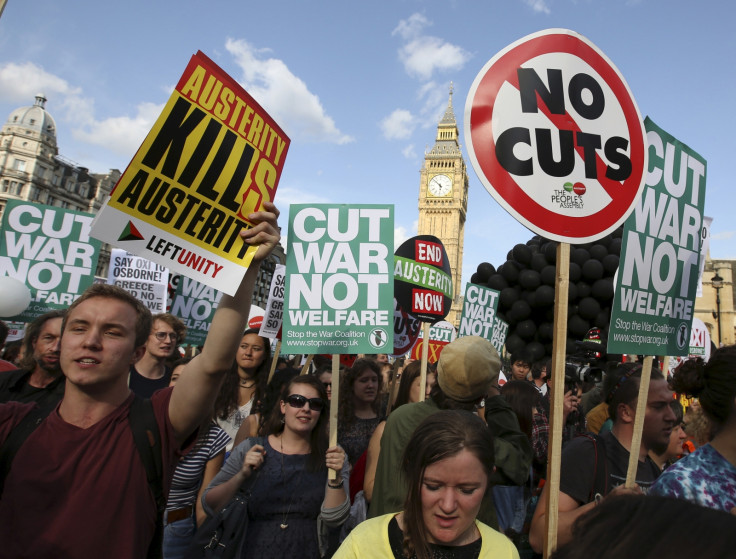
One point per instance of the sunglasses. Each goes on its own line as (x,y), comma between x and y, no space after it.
(161,336)
(298,401)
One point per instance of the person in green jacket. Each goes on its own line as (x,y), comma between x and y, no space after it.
(467,374)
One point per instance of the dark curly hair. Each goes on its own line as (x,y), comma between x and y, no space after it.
(713,383)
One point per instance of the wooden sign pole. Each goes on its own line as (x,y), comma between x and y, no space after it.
(274,360)
(559,344)
(392,391)
(425,358)
(334,406)
(307,363)
(641,410)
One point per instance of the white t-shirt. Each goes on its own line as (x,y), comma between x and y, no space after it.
(234,421)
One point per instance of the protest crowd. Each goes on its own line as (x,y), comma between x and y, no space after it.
(112,445)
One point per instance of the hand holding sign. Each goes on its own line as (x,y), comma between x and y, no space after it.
(265,233)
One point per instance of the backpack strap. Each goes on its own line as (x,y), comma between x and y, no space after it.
(148,442)
(18,436)
(600,466)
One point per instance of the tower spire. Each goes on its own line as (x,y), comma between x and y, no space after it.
(449,117)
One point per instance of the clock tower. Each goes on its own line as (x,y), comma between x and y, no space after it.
(443,200)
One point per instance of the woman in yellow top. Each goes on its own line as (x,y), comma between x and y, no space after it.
(447,463)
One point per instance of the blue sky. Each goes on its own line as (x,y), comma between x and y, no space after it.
(360,86)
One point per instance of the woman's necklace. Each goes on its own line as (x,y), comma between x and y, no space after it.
(283,524)
(247,383)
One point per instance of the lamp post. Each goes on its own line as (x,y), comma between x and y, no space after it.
(717,283)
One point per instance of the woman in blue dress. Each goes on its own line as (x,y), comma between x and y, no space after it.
(292,503)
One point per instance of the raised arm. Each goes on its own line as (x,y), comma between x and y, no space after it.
(195,393)
(371,461)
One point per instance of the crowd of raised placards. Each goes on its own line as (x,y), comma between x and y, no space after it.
(112,446)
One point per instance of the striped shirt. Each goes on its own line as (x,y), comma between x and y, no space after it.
(189,471)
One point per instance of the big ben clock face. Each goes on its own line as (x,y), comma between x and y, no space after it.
(440,185)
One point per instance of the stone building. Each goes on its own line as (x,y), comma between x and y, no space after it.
(707,306)
(31,169)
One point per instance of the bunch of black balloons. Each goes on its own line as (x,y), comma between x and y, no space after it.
(526,283)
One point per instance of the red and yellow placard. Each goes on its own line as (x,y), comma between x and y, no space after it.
(213,157)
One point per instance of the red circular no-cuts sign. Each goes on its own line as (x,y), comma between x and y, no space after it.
(555,135)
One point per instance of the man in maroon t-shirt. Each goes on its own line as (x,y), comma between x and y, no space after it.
(77,486)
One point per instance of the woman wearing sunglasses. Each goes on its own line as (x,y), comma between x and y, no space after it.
(447,463)
(291,499)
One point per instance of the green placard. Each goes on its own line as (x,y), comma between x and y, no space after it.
(479,311)
(49,249)
(339,280)
(195,304)
(500,331)
(657,277)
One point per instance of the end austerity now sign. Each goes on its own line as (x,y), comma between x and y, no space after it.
(339,280)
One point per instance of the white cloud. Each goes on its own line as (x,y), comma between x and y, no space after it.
(411,28)
(434,98)
(285,196)
(121,134)
(722,236)
(409,152)
(402,233)
(539,6)
(20,83)
(285,96)
(398,125)
(423,55)
(401,123)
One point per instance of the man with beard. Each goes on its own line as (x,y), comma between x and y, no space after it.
(39,378)
(595,466)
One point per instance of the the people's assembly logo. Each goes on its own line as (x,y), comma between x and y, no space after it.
(570,196)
